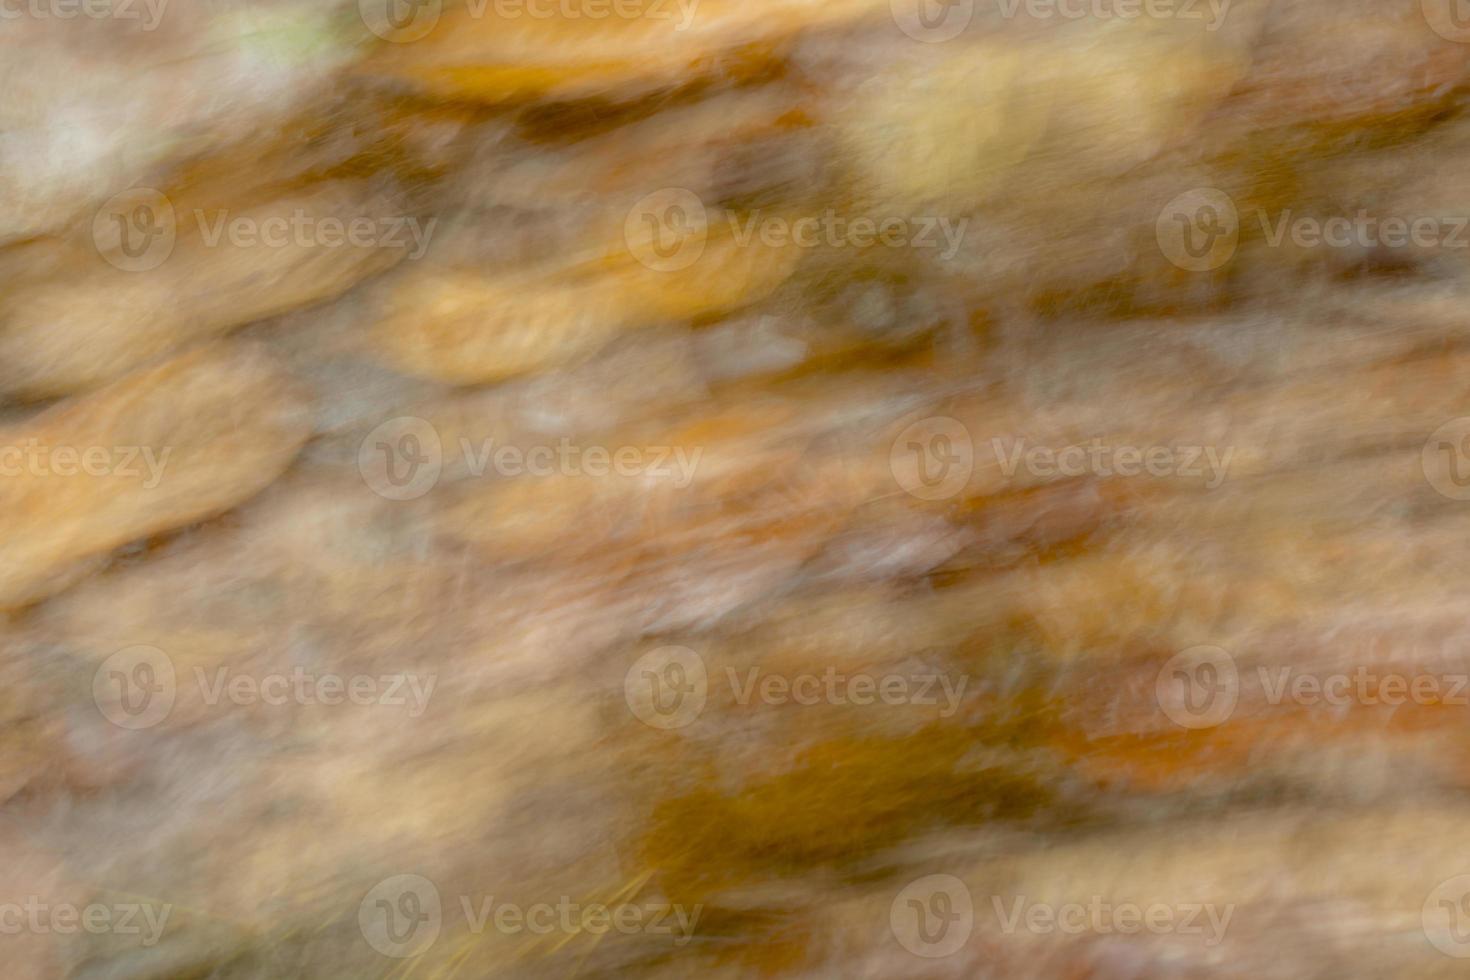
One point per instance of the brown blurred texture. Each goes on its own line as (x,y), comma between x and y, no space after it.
(667,488)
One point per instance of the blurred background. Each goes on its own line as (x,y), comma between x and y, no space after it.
(665,488)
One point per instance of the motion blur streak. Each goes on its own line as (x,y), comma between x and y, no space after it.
(721,488)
